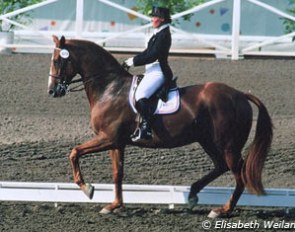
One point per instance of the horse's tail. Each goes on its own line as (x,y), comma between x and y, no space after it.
(254,162)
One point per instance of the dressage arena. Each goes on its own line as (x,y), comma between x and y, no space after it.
(38,132)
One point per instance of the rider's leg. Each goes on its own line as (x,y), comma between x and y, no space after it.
(152,81)
(144,131)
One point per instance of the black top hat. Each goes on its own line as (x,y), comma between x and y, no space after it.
(161,12)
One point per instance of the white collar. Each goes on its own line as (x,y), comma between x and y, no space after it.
(157,30)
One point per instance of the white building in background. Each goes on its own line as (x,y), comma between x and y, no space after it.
(212,26)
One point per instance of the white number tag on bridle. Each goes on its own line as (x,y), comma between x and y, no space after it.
(64,53)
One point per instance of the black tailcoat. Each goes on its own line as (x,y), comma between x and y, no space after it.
(157,49)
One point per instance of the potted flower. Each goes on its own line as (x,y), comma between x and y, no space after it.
(6,29)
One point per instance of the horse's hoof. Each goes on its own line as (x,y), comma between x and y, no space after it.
(105,211)
(193,202)
(213,214)
(88,190)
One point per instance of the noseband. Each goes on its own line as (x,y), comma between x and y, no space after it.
(61,64)
(63,84)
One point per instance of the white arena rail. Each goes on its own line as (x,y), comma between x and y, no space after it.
(234,45)
(138,194)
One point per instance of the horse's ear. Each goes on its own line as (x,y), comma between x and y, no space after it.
(55,39)
(62,41)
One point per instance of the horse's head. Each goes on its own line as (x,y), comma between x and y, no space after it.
(62,69)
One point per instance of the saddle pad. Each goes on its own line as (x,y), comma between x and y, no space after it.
(169,107)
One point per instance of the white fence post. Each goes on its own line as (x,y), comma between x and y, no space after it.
(236,29)
(79,17)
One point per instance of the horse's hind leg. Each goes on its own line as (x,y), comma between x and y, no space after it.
(200,184)
(220,167)
(235,164)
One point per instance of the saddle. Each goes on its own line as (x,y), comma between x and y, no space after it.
(164,101)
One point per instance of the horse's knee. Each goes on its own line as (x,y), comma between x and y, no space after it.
(73,157)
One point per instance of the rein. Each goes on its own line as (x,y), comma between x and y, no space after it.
(89,80)
(62,77)
(75,88)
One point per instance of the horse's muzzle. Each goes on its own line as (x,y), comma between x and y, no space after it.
(58,91)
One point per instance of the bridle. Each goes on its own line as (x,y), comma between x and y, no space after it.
(63,84)
(61,63)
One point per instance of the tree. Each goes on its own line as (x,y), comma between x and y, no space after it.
(289,25)
(175,6)
(7,6)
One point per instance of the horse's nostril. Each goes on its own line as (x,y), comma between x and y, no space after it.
(62,92)
(51,92)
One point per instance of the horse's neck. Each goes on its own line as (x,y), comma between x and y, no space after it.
(104,78)
(108,87)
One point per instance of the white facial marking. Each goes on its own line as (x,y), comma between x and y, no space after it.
(50,81)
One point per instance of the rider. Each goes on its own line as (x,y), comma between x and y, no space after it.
(158,72)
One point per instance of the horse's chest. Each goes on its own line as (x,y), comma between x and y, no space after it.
(103,116)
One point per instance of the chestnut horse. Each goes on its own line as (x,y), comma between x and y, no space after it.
(215,115)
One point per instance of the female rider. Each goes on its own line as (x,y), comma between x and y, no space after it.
(157,70)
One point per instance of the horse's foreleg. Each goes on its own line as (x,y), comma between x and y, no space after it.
(117,157)
(95,145)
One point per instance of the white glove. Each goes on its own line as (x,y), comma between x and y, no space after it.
(129,62)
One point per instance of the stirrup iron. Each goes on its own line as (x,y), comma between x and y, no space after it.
(137,135)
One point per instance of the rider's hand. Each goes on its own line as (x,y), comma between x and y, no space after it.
(128,63)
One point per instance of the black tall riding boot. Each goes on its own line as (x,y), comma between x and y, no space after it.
(144,131)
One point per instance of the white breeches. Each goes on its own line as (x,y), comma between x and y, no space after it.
(153,79)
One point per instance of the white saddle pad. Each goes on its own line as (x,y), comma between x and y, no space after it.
(169,107)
